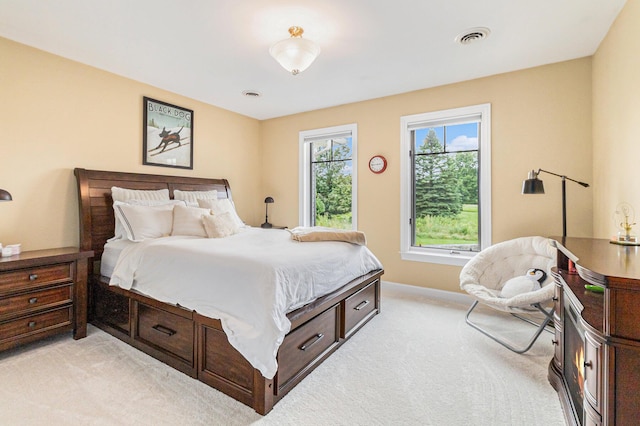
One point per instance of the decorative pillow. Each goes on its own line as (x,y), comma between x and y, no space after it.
(531,281)
(119,231)
(125,194)
(221,206)
(192,197)
(220,225)
(188,221)
(144,222)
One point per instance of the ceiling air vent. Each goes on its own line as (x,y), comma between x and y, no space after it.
(472,35)
(251,93)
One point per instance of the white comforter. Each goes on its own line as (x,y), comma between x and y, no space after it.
(249,281)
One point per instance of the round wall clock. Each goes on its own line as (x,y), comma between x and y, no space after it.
(377,164)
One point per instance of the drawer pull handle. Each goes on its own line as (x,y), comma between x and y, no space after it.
(32,324)
(554,298)
(555,342)
(361,305)
(164,330)
(33,277)
(588,364)
(315,339)
(33,300)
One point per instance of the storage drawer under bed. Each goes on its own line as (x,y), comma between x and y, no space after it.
(303,347)
(166,331)
(358,308)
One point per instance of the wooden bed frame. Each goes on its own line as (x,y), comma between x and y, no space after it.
(195,344)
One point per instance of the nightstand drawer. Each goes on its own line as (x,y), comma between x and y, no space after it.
(34,277)
(36,300)
(36,323)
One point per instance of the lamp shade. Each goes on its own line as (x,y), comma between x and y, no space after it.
(5,196)
(532,186)
(295,54)
(266,223)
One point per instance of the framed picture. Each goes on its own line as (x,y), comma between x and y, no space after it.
(167,135)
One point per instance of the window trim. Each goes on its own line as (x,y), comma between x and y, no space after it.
(410,122)
(305,138)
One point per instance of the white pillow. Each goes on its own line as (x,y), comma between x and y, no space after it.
(221,206)
(125,194)
(119,231)
(192,197)
(188,221)
(220,225)
(144,222)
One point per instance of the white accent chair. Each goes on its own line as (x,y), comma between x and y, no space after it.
(485,274)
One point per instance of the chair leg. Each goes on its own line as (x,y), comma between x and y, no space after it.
(548,317)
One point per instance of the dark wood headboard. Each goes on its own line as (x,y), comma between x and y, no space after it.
(97,221)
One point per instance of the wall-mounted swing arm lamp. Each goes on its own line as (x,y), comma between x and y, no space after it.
(5,196)
(533,185)
(266,224)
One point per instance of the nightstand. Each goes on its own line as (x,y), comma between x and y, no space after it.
(43,292)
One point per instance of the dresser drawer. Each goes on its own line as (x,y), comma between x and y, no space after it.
(34,277)
(169,332)
(558,342)
(358,307)
(305,345)
(592,373)
(36,323)
(35,300)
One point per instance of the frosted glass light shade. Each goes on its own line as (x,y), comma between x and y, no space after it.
(295,54)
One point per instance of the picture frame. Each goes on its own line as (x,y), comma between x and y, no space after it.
(167,135)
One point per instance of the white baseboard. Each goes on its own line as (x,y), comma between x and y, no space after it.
(432,293)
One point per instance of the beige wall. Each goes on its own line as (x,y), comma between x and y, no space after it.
(541,118)
(616,120)
(63,114)
(57,114)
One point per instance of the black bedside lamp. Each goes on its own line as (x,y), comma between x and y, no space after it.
(5,196)
(266,223)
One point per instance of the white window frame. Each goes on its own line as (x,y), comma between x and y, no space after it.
(409,122)
(306,137)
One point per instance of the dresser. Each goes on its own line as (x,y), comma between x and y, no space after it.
(43,292)
(596,366)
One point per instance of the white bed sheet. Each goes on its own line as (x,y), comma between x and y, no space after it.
(249,281)
(110,255)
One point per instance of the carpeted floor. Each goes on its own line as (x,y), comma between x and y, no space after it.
(417,363)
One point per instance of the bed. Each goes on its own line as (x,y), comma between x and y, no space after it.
(198,344)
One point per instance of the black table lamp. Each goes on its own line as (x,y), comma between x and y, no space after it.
(266,223)
(5,196)
(533,185)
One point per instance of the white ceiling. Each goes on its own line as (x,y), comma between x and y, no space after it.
(213,50)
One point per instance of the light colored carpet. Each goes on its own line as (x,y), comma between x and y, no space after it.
(417,363)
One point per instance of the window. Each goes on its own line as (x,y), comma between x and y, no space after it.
(328,177)
(446,185)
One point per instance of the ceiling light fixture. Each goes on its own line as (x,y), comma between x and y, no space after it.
(295,54)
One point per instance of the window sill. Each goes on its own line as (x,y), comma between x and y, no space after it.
(444,258)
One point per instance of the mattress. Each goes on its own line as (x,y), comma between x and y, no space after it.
(112,250)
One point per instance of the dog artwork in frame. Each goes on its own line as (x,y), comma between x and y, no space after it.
(167,135)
